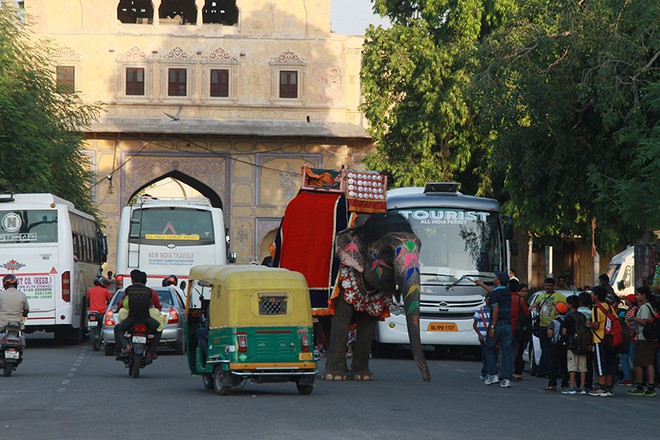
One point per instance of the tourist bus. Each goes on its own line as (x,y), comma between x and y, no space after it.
(55,251)
(462,237)
(168,236)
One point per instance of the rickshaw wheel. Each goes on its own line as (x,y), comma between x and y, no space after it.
(219,388)
(304,389)
(240,384)
(207,380)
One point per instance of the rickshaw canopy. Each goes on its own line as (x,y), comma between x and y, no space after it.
(253,296)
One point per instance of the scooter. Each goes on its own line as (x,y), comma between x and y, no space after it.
(136,358)
(12,344)
(94,325)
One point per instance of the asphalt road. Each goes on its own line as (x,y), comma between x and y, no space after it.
(71,392)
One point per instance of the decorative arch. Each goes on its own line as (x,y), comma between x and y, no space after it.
(208,174)
(205,190)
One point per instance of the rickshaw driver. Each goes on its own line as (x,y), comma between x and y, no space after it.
(140,299)
(203,330)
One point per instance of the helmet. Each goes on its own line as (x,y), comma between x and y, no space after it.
(172,280)
(100,280)
(9,280)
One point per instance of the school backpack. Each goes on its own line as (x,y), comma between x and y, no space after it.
(652,328)
(615,335)
(579,341)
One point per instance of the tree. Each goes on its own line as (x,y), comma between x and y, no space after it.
(415,77)
(559,90)
(41,146)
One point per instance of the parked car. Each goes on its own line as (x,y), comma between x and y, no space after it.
(173,307)
(532,357)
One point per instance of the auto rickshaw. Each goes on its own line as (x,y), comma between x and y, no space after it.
(249,322)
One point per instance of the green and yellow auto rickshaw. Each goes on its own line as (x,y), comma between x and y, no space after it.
(249,322)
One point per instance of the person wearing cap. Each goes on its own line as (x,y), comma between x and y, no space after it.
(556,354)
(499,330)
(546,306)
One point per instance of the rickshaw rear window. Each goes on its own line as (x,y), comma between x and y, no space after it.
(272,304)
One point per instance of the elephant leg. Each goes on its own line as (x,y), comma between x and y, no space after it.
(335,367)
(366,328)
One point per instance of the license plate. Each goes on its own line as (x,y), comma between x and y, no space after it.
(442,327)
(139,339)
(11,354)
(305,356)
(93,323)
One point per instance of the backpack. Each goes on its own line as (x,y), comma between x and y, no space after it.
(555,326)
(652,328)
(615,336)
(579,341)
(524,323)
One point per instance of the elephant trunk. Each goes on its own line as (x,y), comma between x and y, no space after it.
(411,303)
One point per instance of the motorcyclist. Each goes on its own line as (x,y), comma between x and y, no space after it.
(13,302)
(172,280)
(140,299)
(98,297)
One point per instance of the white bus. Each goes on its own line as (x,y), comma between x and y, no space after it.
(462,236)
(55,251)
(165,237)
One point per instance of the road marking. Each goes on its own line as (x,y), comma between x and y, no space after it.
(72,370)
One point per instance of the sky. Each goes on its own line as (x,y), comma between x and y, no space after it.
(352,16)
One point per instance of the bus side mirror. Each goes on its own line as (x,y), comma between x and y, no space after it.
(231,257)
(182,286)
(104,249)
(508,227)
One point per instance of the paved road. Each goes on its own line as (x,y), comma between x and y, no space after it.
(71,392)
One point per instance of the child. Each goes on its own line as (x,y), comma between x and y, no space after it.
(556,350)
(576,362)
(480,326)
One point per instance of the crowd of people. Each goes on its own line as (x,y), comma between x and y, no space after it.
(580,353)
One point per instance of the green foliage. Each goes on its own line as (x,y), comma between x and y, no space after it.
(415,78)
(41,147)
(559,89)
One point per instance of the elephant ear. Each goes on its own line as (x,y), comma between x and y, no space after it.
(350,248)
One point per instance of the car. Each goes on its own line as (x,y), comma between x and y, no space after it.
(532,357)
(173,306)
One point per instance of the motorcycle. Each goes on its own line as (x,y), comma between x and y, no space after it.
(136,358)
(12,344)
(94,325)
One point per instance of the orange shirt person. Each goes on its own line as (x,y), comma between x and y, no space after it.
(99,296)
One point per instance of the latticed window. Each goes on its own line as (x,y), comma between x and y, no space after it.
(177,82)
(66,79)
(272,304)
(220,83)
(134,81)
(288,84)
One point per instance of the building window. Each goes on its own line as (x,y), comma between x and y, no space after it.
(66,79)
(220,12)
(135,81)
(288,84)
(177,12)
(220,83)
(176,83)
(135,11)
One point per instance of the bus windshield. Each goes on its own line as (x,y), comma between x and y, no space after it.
(457,242)
(28,226)
(162,226)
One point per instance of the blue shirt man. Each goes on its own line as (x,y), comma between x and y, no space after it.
(499,331)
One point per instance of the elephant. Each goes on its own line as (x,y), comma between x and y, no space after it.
(379,261)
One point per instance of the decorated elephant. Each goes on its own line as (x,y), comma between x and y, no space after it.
(379,261)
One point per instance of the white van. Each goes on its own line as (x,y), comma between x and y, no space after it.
(621,271)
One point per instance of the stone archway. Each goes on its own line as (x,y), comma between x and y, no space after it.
(208,174)
(207,192)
